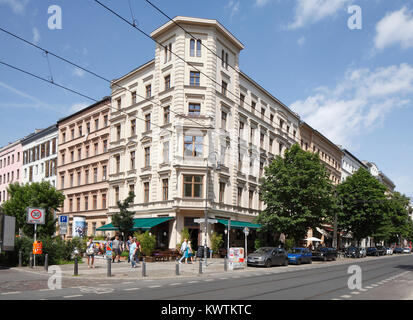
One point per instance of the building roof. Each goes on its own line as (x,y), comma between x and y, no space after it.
(302,123)
(38,134)
(353,156)
(107,98)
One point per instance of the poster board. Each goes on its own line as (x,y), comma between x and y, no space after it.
(236,258)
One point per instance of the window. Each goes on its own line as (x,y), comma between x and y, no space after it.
(88,127)
(148,122)
(223,58)
(86,176)
(262,140)
(166,115)
(192,47)
(226,60)
(104,201)
(72,132)
(271,118)
(96,147)
(239,196)
(193,146)
(132,188)
(224,88)
(79,154)
(132,160)
(62,180)
(193,186)
(63,158)
(117,160)
(281,123)
(133,97)
(252,135)
(104,169)
(87,151)
(261,168)
(194,109)
(146,192)
(194,79)
(253,104)
(262,113)
(86,203)
(78,204)
(116,189)
(198,48)
(105,120)
(79,181)
(242,100)
(105,145)
(166,152)
(119,103)
(118,132)
(167,82)
(70,204)
(148,91)
(147,156)
(72,156)
(241,129)
(280,148)
(221,192)
(96,124)
(165,185)
(165,49)
(250,199)
(223,120)
(95,175)
(95,202)
(170,52)
(63,136)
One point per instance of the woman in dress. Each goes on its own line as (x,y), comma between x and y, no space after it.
(90,252)
(189,252)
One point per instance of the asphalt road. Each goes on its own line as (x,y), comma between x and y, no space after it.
(388,277)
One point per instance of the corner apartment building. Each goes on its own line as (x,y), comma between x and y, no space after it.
(183,132)
(83,140)
(379,175)
(350,164)
(10,167)
(330,154)
(40,156)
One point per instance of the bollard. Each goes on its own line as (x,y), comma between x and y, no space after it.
(177,269)
(225,264)
(109,271)
(76,271)
(20,259)
(143,268)
(200,267)
(46,262)
(31,260)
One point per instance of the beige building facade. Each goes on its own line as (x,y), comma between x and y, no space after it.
(83,165)
(194,136)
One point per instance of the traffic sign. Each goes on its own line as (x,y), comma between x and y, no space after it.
(63,220)
(63,230)
(35,215)
(246,231)
(37,247)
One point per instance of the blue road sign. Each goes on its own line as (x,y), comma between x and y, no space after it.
(63,219)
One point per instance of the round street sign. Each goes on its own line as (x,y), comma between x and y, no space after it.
(246,230)
(35,215)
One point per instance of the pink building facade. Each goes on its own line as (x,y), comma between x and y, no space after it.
(11,161)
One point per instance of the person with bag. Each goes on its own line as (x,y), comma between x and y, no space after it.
(184,246)
(138,251)
(128,243)
(189,253)
(90,252)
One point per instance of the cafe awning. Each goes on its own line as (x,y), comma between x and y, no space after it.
(239,224)
(138,224)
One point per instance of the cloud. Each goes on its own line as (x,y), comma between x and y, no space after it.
(395,28)
(17,6)
(311,11)
(36,36)
(301,41)
(78,72)
(77,107)
(359,103)
(233,5)
(35,103)
(261,3)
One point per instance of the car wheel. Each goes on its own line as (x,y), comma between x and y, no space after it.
(286,262)
(268,263)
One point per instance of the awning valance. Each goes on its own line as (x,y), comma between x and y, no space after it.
(138,224)
(239,224)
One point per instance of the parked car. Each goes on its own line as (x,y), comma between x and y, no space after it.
(407,250)
(372,251)
(381,250)
(299,255)
(268,256)
(362,252)
(352,252)
(397,250)
(389,251)
(324,254)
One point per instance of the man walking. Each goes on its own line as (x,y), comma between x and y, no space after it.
(116,245)
(132,252)
(128,243)
(184,246)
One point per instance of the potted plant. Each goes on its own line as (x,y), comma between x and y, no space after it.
(148,242)
(216,243)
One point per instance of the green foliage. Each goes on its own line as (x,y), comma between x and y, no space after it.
(147,241)
(42,195)
(289,243)
(216,242)
(184,235)
(124,219)
(297,194)
(258,243)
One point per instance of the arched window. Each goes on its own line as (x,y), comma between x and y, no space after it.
(192,48)
(198,48)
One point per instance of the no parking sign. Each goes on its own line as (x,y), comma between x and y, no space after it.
(35,215)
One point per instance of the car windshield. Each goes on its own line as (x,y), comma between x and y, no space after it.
(296,250)
(322,249)
(263,250)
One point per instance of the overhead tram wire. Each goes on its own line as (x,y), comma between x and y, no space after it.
(180,58)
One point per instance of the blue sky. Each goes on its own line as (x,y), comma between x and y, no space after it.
(355,86)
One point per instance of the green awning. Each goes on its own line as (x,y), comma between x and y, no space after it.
(239,224)
(138,223)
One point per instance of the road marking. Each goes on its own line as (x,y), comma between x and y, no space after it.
(346,296)
(128,282)
(130,289)
(355,292)
(74,296)
(175,284)
(13,292)
(209,280)
(154,287)
(223,278)
(335,299)
(375,285)
(193,281)
(369,287)
(45,289)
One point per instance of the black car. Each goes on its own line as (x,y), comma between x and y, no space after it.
(381,250)
(268,256)
(372,251)
(398,250)
(353,252)
(325,254)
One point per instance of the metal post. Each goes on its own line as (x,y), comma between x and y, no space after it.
(177,269)
(206,214)
(46,262)
(76,270)
(109,269)
(200,267)
(246,253)
(229,230)
(20,259)
(31,259)
(143,268)
(225,264)
(35,230)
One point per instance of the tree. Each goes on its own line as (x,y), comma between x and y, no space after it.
(364,206)
(297,194)
(123,220)
(37,194)
(398,210)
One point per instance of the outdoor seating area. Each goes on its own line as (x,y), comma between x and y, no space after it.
(166,255)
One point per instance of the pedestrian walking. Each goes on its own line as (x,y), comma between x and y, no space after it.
(138,251)
(189,253)
(132,252)
(116,248)
(184,246)
(128,243)
(90,252)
